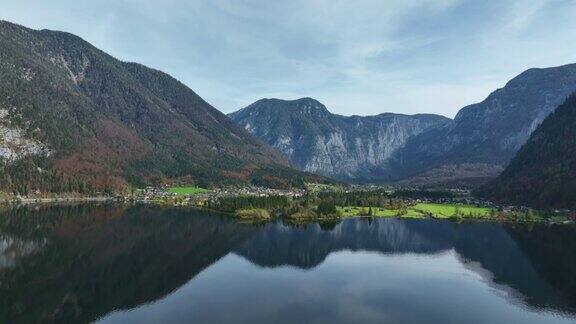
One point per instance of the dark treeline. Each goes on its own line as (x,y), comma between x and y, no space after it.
(377,198)
(374,198)
(323,203)
(232,204)
(309,206)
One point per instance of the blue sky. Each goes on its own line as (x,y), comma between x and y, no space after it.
(357,57)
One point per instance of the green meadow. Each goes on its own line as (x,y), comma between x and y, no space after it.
(186,190)
(419,211)
(449,210)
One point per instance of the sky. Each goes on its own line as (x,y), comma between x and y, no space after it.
(358,57)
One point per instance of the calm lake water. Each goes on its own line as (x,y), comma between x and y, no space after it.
(117,264)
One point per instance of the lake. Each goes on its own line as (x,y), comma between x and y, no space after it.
(145,264)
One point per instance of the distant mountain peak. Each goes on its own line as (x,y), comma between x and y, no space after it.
(318,141)
(306,106)
(484,136)
(303,100)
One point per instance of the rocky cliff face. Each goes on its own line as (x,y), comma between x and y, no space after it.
(318,141)
(420,149)
(485,136)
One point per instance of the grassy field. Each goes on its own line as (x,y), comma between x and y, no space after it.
(421,211)
(447,210)
(186,190)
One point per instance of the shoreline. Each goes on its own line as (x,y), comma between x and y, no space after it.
(31,201)
(123,200)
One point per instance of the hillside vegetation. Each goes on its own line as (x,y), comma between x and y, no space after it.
(76,119)
(543,174)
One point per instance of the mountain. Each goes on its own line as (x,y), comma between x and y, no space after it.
(543,173)
(485,136)
(74,118)
(318,141)
(421,149)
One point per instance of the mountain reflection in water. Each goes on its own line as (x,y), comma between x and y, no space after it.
(116,264)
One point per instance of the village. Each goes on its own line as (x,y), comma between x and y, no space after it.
(199,198)
(442,203)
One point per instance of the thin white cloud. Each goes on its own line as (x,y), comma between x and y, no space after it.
(522,13)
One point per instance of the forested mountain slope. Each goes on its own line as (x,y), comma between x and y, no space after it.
(543,173)
(73,118)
